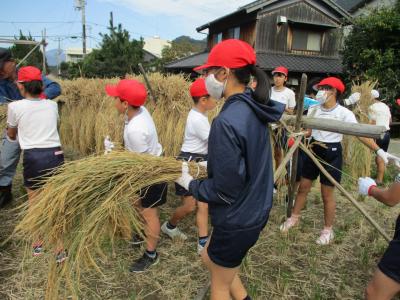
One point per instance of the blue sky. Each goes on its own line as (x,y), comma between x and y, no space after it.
(165,18)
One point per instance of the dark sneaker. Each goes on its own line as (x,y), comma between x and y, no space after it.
(61,256)
(37,250)
(136,240)
(143,263)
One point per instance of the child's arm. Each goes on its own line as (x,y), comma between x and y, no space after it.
(12,123)
(390,196)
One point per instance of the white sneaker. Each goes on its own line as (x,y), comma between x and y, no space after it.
(173,233)
(326,237)
(289,223)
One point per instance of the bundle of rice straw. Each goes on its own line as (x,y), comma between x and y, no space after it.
(89,202)
(357,156)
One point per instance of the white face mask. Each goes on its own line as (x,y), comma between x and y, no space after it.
(214,87)
(321,97)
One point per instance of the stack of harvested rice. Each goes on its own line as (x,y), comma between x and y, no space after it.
(358,157)
(88,115)
(88,202)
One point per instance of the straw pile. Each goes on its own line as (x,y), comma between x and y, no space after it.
(87,203)
(357,156)
(89,115)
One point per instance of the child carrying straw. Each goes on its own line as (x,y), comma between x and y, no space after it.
(195,148)
(35,121)
(239,186)
(140,135)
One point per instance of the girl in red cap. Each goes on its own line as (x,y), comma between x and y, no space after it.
(35,121)
(327,146)
(239,186)
(194,148)
(140,135)
(286,96)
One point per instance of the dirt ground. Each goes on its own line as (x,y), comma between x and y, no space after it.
(279,266)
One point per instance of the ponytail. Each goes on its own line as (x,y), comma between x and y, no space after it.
(262,91)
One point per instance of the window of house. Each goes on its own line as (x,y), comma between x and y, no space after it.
(217,38)
(306,40)
(234,33)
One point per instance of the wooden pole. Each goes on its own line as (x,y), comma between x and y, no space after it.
(299,115)
(344,192)
(147,82)
(355,129)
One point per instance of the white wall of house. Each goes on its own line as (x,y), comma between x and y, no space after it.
(75,54)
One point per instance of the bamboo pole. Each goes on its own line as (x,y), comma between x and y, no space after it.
(344,192)
(286,159)
(147,82)
(293,169)
(355,129)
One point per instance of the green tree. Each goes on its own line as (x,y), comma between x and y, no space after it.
(117,56)
(20,51)
(181,47)
(372,50)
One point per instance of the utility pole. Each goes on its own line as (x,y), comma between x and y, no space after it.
(44,51)
(83,27)
(58,58)
(80,5)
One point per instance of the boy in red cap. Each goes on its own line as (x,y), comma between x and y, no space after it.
(286,96)
(140,135)
(36,121)
(327,146)
(194,148)
(239,186)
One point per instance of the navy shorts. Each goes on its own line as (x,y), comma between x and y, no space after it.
(38,164)
(179,190)
(228,247)
(383,143)
(331,159)
(390,262)
(154,195)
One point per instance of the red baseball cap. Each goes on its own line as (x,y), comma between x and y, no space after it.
(398,101)
(281,69)
(128,90)
(333,82)
(230,53)
(28,74)
(198,88)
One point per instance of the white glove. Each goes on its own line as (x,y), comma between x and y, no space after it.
(185,178)
(203,164)
(384,155)
(108,145)
(353,99)
(365,184)
(394,160)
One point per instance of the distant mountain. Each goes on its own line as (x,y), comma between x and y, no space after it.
(198,44)
(51,56)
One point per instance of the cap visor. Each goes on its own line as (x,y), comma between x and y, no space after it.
(202,67)
(111,90)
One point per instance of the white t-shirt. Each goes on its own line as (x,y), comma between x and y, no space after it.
(338,113)
(196,133)
(140,134)
(36,121)
(285,96)
(380,113)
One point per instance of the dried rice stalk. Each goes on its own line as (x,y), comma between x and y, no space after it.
(88,202)
(357,156)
